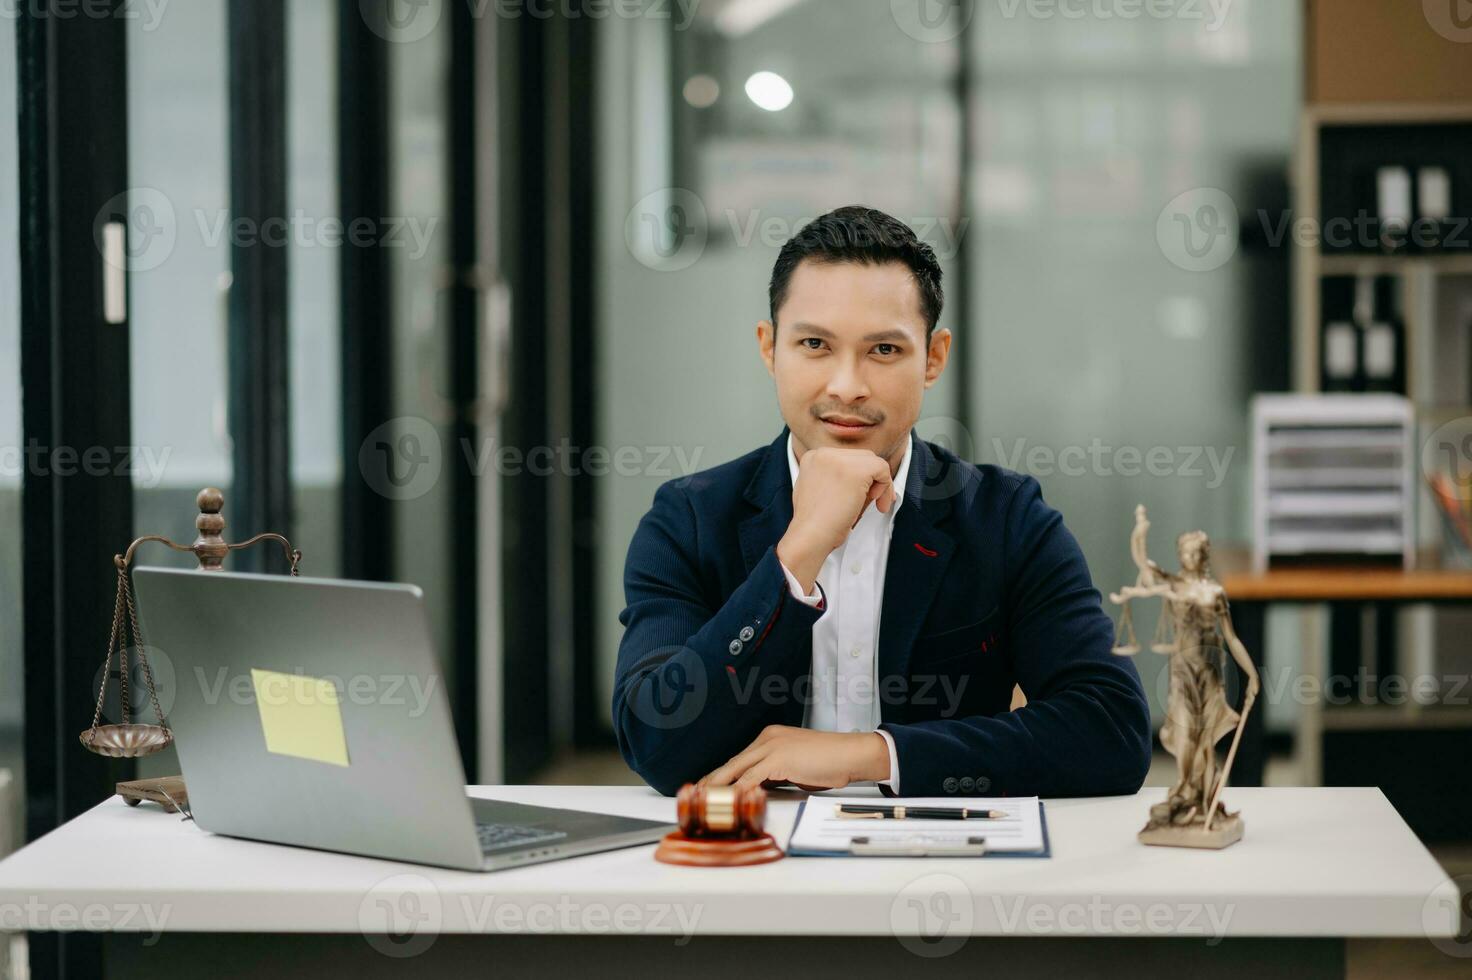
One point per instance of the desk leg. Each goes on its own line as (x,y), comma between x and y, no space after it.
(1249,619)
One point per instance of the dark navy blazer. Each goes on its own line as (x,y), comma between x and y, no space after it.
(985,588)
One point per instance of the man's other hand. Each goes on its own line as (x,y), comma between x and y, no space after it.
(808,759)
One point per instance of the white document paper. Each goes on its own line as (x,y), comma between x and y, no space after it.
(821,829)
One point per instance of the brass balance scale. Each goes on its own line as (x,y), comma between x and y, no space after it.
(130,740)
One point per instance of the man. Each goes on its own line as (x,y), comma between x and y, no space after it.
(852,603)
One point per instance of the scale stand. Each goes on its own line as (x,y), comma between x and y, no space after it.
(129,740)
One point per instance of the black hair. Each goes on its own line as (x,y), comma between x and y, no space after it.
(866,236)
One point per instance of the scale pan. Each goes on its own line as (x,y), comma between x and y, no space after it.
(126,741)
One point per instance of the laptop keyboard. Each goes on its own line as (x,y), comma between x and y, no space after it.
(495,836)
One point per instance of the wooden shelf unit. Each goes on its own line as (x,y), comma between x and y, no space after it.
(1310,264)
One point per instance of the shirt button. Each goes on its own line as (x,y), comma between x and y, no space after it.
(855,731)
(856,568)
(747,632)
(854,652)
(735,647)
(967,784)
(949,785)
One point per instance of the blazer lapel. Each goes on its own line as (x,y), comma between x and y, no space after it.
(920,548)
(770,488)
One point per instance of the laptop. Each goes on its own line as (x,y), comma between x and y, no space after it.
(313,712)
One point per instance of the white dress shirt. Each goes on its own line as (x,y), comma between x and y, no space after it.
(845,668)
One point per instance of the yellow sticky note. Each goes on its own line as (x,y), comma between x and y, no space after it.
(300,716)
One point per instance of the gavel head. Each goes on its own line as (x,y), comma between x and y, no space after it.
(721,811)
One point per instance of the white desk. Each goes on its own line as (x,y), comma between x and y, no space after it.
(1316,866)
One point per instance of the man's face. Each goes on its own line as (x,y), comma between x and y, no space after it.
(850,347)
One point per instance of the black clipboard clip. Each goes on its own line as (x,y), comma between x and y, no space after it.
(864,847)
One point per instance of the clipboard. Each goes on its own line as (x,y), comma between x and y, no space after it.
(969,850)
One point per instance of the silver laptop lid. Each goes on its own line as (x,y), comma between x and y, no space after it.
(309,711)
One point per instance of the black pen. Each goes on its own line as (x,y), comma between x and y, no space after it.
(877,812)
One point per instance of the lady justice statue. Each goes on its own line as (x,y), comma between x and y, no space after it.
(1194,625)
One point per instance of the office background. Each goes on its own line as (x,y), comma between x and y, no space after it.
(573,210)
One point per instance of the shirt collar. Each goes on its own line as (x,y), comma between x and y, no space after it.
(899,478)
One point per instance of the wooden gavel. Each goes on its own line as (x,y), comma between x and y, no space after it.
(720,826)
(721,811)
